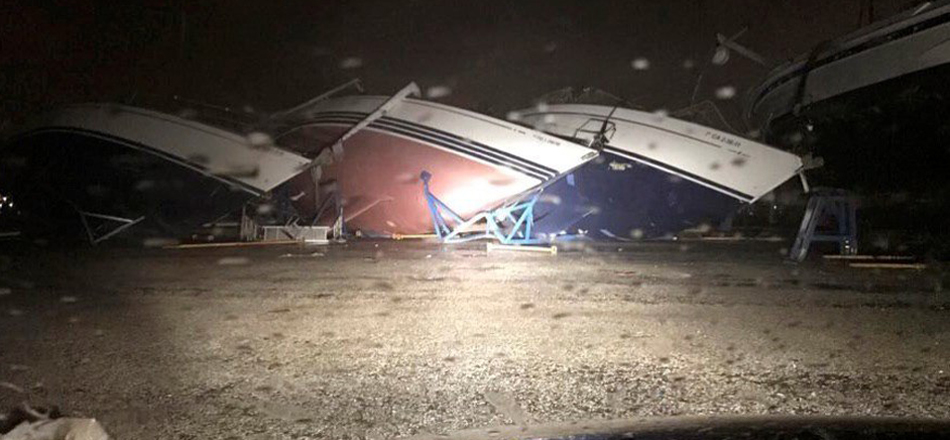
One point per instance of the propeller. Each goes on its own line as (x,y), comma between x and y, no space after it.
(727,45)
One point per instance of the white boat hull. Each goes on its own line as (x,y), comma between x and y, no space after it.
(477,162)
(740,168)
(220,154)
(891,49)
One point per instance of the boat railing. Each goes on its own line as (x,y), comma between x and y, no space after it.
(237,120)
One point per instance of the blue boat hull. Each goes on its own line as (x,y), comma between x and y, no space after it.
(613,198)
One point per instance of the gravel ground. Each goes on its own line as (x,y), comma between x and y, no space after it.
(392,339)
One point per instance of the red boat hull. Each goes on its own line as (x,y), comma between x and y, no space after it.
(379,185)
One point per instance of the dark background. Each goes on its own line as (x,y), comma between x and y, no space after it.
(495,56)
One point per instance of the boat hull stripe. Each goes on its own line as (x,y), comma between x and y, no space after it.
(461,150)
(353,117)
(523,167)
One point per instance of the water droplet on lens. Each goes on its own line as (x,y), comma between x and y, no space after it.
(258,139)
(726,92)
(233,261)
(351,63)
(436,92)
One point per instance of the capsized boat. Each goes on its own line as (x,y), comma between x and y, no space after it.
(107,162)
(910,42)
(371,150)
(655,176)
(871,104)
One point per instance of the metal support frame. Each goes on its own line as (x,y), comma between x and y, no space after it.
(828,204)
(328,196)
(509,224)
(329,193)
(248,231)
(95,235)
(298,108)
(338,230)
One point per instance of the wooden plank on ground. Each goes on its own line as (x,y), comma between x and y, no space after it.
(916,266)
(869,257)
(526,248)
(234,244)
(413,236)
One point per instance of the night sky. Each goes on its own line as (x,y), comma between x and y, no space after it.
(494,56)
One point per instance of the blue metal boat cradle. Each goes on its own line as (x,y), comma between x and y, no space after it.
(509,224)
(827,205)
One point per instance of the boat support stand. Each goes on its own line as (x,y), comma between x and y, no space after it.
(510,224)
(824,205)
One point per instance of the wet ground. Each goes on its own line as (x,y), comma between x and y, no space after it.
(389,339)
